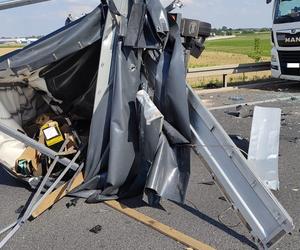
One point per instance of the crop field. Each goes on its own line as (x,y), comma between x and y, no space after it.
(215,58)
(5,50)
(243,44)
(232,51)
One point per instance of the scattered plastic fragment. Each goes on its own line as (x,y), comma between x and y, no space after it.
(72,203)
(246,112)
(97,229)
(222,198)
(234,114)
(208,183)
(236,98)
(20,210)
(241,112)
(294,140)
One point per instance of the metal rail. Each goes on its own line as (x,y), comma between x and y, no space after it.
(257,207)
(228,70)
(9,4)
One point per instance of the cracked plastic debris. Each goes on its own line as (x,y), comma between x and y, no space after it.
(96,229)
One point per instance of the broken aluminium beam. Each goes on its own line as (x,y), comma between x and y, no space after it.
(9,4)
(257,207)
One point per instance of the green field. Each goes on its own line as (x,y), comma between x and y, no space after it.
(243,44)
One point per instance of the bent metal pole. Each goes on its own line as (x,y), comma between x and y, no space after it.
(9,4)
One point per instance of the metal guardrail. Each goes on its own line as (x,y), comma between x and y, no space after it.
(227,70)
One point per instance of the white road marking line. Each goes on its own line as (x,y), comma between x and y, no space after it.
(253,103)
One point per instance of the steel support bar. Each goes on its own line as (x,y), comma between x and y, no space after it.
(34,144)
(9,4)
(257,207)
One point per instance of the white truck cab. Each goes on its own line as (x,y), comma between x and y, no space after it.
(285,56)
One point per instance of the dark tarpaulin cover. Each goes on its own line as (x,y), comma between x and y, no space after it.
(126,156)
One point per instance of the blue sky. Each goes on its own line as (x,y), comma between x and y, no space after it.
(43,18)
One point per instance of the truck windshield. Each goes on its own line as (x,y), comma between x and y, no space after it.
(287,11)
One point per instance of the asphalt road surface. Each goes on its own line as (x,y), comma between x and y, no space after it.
(68,228)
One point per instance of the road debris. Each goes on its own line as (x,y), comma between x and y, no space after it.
(234,113)
(236,98)
(208,183)
(241,112)
(222,198)
(72,203)
(20,210)
(294,140)
(96,229)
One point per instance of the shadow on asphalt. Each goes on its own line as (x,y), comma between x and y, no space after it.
(7,180)
(219,225)
(139,203)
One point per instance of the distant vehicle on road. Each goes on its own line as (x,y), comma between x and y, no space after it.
(10,41)
(285,56)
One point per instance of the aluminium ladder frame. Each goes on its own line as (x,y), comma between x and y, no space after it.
(9,4)
(257,207)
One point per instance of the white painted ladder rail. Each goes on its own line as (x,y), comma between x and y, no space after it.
(256,206)
(9,4)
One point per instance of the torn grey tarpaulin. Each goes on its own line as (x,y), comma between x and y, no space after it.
(57,45)
(126,155)
(130,165)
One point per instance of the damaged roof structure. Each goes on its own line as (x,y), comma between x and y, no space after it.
(105,97)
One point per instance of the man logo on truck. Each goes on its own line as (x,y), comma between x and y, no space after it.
(292,39)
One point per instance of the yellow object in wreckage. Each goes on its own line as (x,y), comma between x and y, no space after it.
(52,133)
